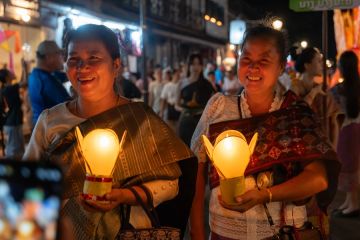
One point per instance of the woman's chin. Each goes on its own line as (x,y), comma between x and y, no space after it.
(253,85)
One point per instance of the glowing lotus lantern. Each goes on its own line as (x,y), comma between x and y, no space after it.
(100,149)
(230,156)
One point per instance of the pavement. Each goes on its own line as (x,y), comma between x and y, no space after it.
(343,228)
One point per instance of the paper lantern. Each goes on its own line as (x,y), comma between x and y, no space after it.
(230,156)
(100,149)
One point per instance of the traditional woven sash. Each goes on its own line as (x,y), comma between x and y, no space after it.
(151,151)
(289,135)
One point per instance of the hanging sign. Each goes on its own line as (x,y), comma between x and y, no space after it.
(320,5)
(237,30)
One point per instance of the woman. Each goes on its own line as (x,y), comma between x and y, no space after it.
(155,88)
(284,167)
(309,65)
(231,85)
(195,91)
(151,151)
(13,116)
(348,95)
(169,96)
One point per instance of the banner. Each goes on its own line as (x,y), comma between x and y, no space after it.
(320,5)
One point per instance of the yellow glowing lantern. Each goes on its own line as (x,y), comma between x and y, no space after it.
(230,156)
(26,230)
(100,149)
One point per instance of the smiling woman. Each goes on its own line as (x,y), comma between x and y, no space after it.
(284,169)
(92,64)
(152,155)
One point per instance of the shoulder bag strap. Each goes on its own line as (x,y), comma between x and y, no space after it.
(125,217)
(150,203)
(150,213)
(239,105)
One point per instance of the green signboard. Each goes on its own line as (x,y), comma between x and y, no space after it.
(320,5)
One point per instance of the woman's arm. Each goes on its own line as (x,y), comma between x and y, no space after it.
(197,229)
(161,190)
(311,180)
(35,150)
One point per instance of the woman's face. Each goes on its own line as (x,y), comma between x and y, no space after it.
(196,67)
(91,69)
(259,66)
(315,66)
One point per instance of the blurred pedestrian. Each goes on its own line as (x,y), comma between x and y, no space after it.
(68,26)
(14,137)
(309,65)
(231,84)
(348,149)
(169,96)
(195,91)
(155,88)
(45,86)
(211,78)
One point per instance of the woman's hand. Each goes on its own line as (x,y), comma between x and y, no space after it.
(248,200)
(116,197)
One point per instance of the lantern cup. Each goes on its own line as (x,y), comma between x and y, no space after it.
(95,187)
(230,156)
(230,188)
(100,149)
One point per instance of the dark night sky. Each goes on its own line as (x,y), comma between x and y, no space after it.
(300,26)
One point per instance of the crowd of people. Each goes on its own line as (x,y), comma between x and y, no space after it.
(298,150)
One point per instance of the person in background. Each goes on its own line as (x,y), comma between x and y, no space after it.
(139,82)
(127,87)
(212,80)
(231,84)
(284,169)
(347,95)
(219,74)
(210,67)
(183,70)
(309,65)
(169,96)
(68,26)
(152,155)
(195,91)
(14,137)
(155,88)
(45,84)
(166,75)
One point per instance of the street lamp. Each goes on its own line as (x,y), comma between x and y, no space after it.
(304,44)
(277,24)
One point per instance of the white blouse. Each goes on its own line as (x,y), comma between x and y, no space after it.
(252,224)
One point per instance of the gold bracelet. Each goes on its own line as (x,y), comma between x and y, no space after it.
(270,194)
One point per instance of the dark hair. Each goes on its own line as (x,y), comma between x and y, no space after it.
(190,61)
(94,32)
(348,66)
(306,56)
(3,75)
(211,73)
(262,31)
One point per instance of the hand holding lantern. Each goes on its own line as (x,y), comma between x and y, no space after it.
(230,156)
(100,149)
